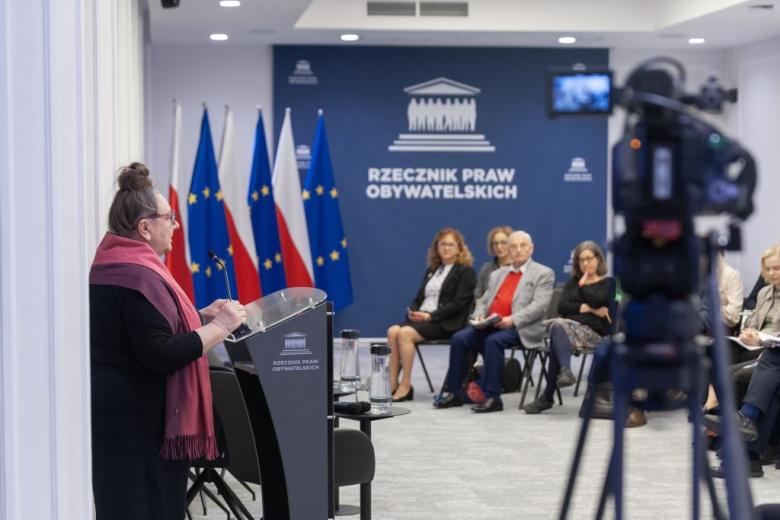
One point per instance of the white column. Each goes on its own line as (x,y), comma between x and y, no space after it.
(58,152)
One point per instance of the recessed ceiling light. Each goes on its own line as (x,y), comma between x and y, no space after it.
(695,41)
(567,40)
(218,37)
(350,37)
(230,3)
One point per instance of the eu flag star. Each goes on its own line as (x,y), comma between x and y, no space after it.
(320,189)
(305,195)
(334,255)
(230,249)
(333,193)
(206,192)
(219,195)
(278,258)
(320,261)
(268,264)
(195,267)
(255,195)
(344,243)
(193,198)
(265,190)
(208,272)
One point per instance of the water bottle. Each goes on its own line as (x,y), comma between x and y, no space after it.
(379,383)
(349,373)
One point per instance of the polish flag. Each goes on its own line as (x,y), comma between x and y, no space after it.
(239,225)
(176,259)
(291,219)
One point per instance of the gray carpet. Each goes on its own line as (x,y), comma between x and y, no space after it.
(454,464)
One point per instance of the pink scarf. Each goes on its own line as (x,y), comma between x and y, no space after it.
(189,421)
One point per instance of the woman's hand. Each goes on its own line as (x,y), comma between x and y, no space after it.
(415,316)
(230,316)
(750,337)
(603,313)
(208,313)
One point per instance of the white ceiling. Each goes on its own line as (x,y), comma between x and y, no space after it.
(625,24)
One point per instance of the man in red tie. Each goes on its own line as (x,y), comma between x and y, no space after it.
(510,313)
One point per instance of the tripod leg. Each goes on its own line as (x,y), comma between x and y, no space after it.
(605,489)
(600,360)
(622,392)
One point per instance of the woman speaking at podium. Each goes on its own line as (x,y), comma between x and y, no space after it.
(151,396)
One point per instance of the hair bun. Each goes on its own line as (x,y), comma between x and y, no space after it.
(134,177)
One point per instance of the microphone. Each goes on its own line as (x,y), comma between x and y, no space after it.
(242,329)
(221,264)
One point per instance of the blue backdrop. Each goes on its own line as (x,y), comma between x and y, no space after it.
(424,138)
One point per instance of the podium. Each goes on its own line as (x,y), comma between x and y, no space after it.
(284,364)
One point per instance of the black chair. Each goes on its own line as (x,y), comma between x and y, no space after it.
(540,352)
(354,463)
(422,361)
(240,456)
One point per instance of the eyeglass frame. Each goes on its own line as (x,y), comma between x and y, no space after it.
(171,216)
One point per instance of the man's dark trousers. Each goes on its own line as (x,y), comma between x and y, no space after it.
(491,343)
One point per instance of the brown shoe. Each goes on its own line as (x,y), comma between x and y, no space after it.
(636,418)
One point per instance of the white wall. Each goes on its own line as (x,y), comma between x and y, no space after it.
(68,114)
(756,120)
(216,75)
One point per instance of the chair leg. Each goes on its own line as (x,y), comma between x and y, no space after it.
(582,369)
(199,487)
(527,373)
(527,369)
(233,502)
(425,369)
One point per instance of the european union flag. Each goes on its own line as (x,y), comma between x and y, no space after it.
(323,218)
(207,225)
(263,214)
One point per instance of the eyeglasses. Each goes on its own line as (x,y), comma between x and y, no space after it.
(171,216)
(447,244)
(584,259)
(496,243)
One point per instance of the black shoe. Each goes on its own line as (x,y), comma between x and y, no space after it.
(409,396)
(538,406)
(746,426)
(565,378)
(447,400)
(492,404)
(754,470)
(770,455)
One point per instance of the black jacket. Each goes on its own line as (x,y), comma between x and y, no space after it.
(455,298)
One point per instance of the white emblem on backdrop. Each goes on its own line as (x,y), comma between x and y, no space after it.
(303,156)
(442,117)
(578,171)
(302,75)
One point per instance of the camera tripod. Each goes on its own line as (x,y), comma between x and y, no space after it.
(676,363)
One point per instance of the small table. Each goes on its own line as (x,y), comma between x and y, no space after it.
(365,489)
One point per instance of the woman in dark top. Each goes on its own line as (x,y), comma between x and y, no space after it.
(439,310)
(584,318)
(498,248)
(151,397)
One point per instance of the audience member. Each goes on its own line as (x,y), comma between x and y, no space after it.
(584,310)
(151,395)
(440,308)
(510,313)
(759,407)
(498,248)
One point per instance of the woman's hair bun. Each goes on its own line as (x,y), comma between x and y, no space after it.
(134,177)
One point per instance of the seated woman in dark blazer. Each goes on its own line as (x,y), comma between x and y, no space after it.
(584,318)
(440,308)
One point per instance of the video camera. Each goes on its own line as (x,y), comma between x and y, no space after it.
(668,167)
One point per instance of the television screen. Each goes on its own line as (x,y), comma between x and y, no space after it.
(580,93)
